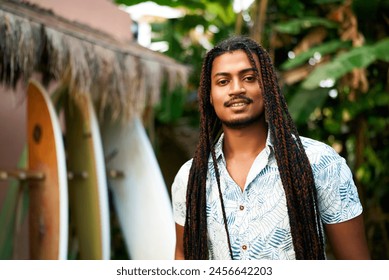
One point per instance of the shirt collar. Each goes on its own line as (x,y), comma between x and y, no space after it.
(219,145)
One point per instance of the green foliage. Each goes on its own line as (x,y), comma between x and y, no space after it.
(323,49)
(303,104)
(190,4)
(171,107)
(296,26)
(356,123)
(366,9)
(291,7)
(221,13)
(359,57)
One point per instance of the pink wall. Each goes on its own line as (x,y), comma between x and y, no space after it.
(12,131)
(102,15)
(12,142)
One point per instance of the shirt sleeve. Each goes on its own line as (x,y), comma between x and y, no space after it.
(179,187)
(337,193)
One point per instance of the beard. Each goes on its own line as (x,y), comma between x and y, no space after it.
(243,122)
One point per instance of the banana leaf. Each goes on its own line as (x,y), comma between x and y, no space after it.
(304,102)
(359,57)
(296,26)
(323,49)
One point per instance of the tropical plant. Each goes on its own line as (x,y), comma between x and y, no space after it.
(336,80)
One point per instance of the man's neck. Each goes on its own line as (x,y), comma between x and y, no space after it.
(244,142)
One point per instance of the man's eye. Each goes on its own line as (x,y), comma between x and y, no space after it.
(222,82)
(250,78)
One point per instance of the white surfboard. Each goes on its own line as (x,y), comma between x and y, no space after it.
(141,199)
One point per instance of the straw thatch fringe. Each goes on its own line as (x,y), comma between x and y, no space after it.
(115,77)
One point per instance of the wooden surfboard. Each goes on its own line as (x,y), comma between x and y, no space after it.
(88,192)
(140,198)
(48,209)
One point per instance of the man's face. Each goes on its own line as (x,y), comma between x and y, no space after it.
(236,94)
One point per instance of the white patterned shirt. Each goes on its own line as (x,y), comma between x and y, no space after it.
(257,217)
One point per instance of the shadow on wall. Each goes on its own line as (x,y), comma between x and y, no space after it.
(176,145)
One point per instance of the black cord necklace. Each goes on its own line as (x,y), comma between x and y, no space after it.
(225,219)
(222,202)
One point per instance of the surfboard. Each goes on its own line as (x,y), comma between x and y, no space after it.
(140,198)
(48,206)
(88,191)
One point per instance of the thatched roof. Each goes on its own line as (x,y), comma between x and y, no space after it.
(123,76)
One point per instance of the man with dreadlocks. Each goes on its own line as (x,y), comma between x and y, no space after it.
(255,189)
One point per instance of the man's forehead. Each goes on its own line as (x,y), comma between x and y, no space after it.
(236,58)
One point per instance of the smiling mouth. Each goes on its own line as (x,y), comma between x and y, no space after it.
(238,101)
(238,104)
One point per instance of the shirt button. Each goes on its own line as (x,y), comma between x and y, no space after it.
(241,207)
(244,247)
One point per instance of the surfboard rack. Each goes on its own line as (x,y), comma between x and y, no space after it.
(112,173)
(115,174)
(28,175)
(22,175)
(78,175)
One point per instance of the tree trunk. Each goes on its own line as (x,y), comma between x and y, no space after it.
(259,18)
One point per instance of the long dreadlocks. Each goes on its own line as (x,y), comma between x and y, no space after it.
(294,167)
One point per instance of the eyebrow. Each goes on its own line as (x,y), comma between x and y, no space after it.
(240,72)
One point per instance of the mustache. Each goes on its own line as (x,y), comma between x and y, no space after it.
(241,98)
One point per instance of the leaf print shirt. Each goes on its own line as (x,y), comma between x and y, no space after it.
(257,218)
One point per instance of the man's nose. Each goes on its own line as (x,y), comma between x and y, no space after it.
(236,87)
